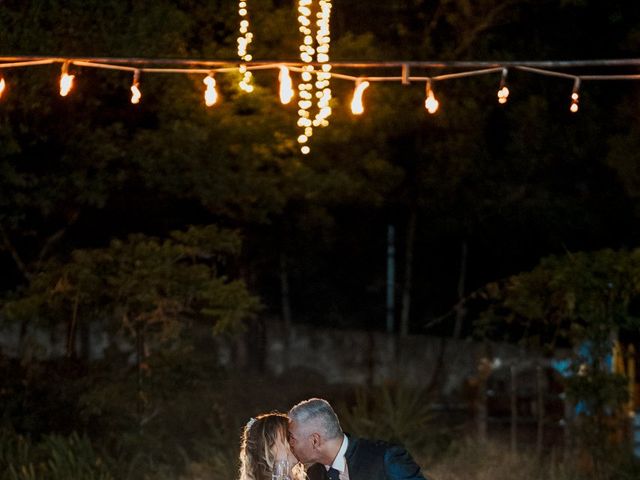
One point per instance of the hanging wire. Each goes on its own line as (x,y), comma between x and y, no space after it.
(196,66)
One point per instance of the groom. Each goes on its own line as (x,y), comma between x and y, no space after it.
(316,438)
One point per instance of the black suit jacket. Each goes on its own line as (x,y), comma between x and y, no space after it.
(373,460)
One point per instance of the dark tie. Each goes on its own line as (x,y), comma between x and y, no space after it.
(333,474)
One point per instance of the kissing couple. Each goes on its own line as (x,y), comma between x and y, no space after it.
(308,443)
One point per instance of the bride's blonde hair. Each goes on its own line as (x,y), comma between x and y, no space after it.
(256,450)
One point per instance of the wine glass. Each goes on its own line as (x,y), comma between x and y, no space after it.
(280,470)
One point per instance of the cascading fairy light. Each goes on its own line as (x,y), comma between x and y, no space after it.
(323,39)
(244,40)
(3,85)
(310,47)
(305,87)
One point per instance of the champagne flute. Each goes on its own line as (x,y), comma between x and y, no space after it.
(280,470)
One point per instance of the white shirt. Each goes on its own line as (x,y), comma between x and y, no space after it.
(340,462)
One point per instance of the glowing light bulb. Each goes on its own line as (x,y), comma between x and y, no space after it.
(431,103)
(574,102)
(66,80)
(357,108)
(503,95)
(2,86)
(286,85)
(503,91)
(136,94)
(305,150)
(575,96)
(210,94)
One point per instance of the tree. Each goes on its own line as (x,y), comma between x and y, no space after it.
(579,300)
(149,292)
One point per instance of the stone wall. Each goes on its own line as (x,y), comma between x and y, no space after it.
(355,357)
(340,357)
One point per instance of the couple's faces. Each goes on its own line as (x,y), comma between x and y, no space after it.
(281,450)
(300,443)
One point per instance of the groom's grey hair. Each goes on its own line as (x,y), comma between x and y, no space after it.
(319,411)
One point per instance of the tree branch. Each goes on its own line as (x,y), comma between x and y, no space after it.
(8,246)
(49,242)
(486,22)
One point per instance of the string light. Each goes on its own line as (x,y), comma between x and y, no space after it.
(503,92)
(286,85)
(323,77)
(306,68)
(136,94)
(305,87)
(575,96)
(66,80)
(311,48)
(244,40)
(431,104)
(210,94)
(357,107)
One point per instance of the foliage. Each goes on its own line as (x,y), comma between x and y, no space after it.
(394,413)
(577,297)
(80,175)
(157,300)
(52,458)
(469,460)
(143,285)
(581,300)
(466,459)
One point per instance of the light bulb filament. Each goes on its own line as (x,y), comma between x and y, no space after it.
(136,94)
(210,94)
(575,96)
(66,80)
(503,95)
(286,85)
(357,108)
(431,103)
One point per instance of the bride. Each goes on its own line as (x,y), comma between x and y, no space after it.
(265,450)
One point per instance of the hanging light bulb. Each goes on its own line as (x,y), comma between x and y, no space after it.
(503,92)
(286,85)
(66,80)
(357,108)
(3,85)
(210,94)
(575,96)
(136,94)
(431,104)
